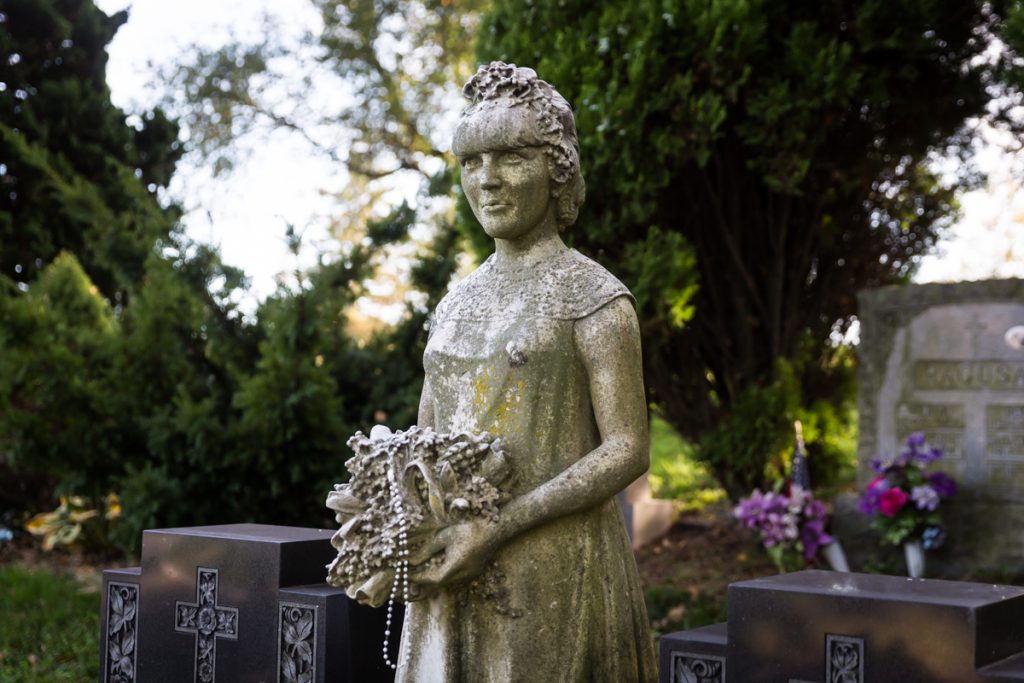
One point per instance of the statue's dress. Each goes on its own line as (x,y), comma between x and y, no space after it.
(569,608)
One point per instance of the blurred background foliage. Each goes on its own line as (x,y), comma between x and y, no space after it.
(750,165)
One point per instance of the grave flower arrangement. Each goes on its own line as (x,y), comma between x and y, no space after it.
(786,523)
(905,498)
(405,486)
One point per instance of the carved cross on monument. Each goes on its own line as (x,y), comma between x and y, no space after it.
(975,327)
(207,621)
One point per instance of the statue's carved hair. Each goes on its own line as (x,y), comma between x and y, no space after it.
(501,84)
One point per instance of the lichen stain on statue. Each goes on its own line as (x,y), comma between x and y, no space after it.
(534,358)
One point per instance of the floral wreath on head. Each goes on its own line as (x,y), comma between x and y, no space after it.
(522,87)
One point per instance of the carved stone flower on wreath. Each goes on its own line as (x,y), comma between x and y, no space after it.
(442,479)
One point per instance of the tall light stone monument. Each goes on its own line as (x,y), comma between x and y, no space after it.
(948,360)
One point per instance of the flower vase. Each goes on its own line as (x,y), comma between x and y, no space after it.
(835,556)
(914,555)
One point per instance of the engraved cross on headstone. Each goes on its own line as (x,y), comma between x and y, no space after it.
(975,327)
(207,621)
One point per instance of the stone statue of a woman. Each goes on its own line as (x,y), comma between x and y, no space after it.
(539,346)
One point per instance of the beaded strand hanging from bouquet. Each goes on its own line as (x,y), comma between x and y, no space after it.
(404,487)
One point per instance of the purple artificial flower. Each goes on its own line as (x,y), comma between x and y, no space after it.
(813,537)
(930,456)
(870,503)
(910,454)
(918,452)
(815,509)
(749,509)
(943,484)
(925,497)
(786,519)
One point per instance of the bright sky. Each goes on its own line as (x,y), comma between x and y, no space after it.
(246,214)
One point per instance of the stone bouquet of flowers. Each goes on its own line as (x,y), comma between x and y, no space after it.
(404,487)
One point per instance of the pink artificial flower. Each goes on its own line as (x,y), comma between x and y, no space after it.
(892,500)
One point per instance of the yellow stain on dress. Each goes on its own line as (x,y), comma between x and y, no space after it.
(501,415)
(481,389)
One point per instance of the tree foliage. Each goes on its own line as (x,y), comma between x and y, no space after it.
(773,158)
(71,169)
(125,363)
(379,82)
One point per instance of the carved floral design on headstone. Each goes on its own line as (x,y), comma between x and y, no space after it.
(207,621)
(298,643)
(691,668)
(122,623)
(844,659)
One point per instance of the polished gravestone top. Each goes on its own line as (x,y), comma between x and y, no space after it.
(816,626)
(235,603)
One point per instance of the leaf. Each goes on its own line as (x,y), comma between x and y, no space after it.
(117,607)
(129,611)
(288,668)
(127,668)
(305,626)
(447,477)
(128,644)
(435,495)
(344,502)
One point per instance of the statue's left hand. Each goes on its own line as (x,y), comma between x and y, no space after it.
(467,547)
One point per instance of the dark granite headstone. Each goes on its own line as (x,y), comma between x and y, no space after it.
(829,627)
(236,603)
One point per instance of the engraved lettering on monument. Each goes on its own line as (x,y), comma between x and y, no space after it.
(916,416)
(952,375)
(1005,429)
(1000,417)
(207,621)
(122,629)
(942,422)
(1005,445)
(296,647)
(1004,476)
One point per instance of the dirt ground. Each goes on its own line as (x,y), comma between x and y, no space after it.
(704,552)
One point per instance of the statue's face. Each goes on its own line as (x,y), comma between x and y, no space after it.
(509,190)
(505,174)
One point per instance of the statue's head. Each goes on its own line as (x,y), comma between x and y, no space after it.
(511,108)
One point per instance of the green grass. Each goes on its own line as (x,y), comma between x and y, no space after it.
(675,472)
(49,629)
(671,608)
